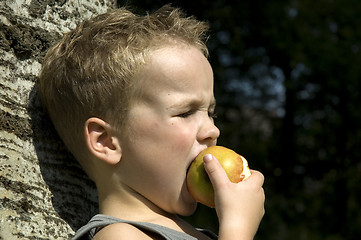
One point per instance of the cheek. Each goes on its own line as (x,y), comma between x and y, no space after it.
(181,136)
(184,140)
(161,136)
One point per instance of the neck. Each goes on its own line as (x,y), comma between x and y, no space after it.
(125,203)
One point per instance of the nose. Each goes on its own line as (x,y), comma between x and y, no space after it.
(208,131)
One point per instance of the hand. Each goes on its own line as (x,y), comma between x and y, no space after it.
(239,206)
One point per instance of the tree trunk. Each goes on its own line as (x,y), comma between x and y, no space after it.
(44,194)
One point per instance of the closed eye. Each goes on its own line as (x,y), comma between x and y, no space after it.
(212,114)
(186,114)
(211,111)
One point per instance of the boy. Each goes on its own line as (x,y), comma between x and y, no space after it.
(132,99)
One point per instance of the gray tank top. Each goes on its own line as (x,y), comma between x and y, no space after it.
(89,230)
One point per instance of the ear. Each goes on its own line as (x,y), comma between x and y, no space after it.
(101,142)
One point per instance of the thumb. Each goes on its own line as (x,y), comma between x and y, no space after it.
(215,171)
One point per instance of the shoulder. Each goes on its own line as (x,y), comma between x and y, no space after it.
(120,231)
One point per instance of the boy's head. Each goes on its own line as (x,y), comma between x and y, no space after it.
(92,71)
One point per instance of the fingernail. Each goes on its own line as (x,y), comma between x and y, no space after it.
(208,157)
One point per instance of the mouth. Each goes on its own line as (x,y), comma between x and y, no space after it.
(189,165)
(194,158)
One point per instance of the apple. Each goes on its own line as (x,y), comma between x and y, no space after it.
(198,182)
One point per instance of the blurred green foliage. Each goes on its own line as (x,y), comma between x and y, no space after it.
(288,81)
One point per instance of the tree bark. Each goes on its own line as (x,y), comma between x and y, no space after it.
(44,194)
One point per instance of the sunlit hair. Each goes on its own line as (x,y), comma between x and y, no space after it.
(91,71)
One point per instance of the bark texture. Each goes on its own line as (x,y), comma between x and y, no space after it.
(44,194)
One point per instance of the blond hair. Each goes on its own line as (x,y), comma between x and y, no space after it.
(90,72)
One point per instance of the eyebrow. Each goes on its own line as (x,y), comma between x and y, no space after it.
(193,103)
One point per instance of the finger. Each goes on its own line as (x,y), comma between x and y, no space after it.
(257,177)
(215,171)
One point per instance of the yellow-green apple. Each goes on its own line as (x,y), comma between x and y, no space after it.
(198,182)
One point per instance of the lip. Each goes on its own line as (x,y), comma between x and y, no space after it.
(185,186)
(193,158)
(189,165)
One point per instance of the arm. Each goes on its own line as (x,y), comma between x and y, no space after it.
(239,206)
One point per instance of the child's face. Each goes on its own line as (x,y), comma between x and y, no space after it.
(168,126)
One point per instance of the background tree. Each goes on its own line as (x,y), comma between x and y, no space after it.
(288,81)
(43,192)
(287,76)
